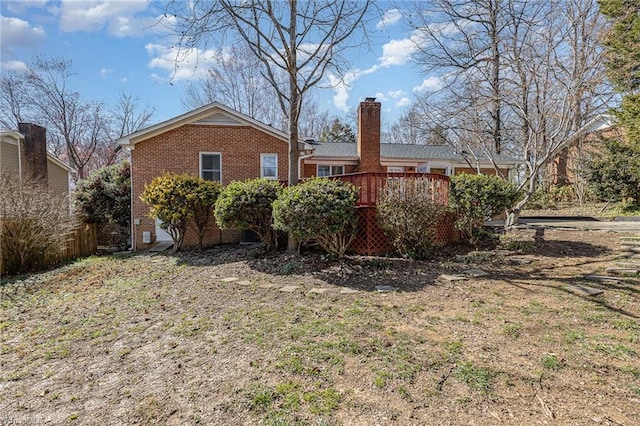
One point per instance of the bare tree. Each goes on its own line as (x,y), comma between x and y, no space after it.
(312,119)
(78,126)
(128,115)
(79,132)
(464,38)
(417,125)
(301,39)
(236,81)
(549,78)
(11,105)
(565,88)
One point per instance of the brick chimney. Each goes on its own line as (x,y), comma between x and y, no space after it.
(34,152)
(368,145)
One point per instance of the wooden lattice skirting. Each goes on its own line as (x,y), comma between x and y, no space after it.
(370,238)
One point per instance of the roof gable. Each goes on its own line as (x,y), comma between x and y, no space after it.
(214,114)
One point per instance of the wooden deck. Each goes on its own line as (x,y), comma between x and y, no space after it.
(370,238)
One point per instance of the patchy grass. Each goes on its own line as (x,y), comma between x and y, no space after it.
(162,339)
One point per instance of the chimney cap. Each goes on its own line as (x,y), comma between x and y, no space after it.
(369,99)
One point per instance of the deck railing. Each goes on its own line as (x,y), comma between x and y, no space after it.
(371,184)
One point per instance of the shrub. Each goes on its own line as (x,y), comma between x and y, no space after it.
(319,209)
(615,176)
(408,215)
(248,205)
(34,224)
(541,199)
(476,198)
(105,197)
(177,200)
(202,201)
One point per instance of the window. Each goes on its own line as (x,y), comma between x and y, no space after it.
(395,169)
(327,170)
(211,166)
(269,166)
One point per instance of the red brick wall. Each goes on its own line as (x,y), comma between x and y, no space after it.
(308,170)
(177,151)
(368,143)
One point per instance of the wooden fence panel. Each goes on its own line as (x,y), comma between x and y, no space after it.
(81,242)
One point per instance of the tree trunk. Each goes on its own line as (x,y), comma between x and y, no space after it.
(294,109)
(495,84)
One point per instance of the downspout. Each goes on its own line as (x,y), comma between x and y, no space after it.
(300,158)
(132,225)
(19,160)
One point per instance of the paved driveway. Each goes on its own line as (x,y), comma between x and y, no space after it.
(577,223)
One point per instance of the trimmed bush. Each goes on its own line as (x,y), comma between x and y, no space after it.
(105,198)
(248,205)
(319,209)
(178,201)
(476,198)
(408,216)
(202,201)
(34,224)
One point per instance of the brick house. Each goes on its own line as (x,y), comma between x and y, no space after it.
(582,147)
(218,143)
(214,142)
(24,152)
(369,154)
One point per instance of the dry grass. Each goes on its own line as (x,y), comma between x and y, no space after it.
(164,340)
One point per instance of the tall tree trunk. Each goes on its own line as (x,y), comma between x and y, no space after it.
(495,84)
(294,110)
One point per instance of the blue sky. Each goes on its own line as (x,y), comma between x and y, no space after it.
(115,47)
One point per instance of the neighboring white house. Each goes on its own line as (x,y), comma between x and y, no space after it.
(13,159)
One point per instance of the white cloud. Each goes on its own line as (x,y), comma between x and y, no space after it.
(403,102)
(389,18)
(392,94)
(16,33)
(430,84)
(118,17)
(342,87)
(399,52)
(123,26)
(104,72)
(179,64)
(13,66)
(19,7)
(394,53)
(396,93)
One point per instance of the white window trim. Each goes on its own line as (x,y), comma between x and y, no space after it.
(395,169)
(331,166)
(262,156)
(200,162)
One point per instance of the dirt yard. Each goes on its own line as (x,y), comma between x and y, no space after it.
(213,338)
